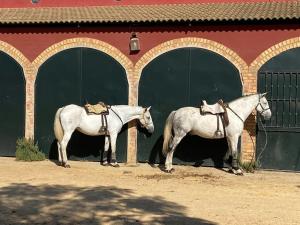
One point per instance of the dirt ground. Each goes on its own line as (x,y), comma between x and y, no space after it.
(87,193)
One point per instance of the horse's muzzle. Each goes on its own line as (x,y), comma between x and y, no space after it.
(150,129)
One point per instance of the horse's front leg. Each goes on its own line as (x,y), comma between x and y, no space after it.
(105,152)
(113,140)
(232,144)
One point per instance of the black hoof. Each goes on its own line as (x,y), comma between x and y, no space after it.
(171,170)
(66,165)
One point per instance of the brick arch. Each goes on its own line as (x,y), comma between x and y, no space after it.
(213,46)
(272,52)
(75,43)
(85,43)
(27,70)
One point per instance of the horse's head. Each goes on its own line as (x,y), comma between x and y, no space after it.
(146,120)
(263,107)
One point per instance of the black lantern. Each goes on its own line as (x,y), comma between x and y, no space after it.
(134,44)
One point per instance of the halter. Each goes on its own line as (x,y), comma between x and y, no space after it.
(143,125)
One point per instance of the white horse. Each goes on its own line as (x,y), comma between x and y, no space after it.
(74,117)
(188,120)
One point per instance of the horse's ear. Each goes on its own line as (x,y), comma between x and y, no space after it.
(148,109)
(263,94)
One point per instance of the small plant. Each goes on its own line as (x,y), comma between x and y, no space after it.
(26,150)
(249,166)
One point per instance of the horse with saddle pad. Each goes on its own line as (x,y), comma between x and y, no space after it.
(206,123)
(97,120)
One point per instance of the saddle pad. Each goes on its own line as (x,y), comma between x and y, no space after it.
(97,109)
(213,109)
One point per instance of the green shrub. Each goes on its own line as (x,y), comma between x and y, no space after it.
(249,166)
(26,150)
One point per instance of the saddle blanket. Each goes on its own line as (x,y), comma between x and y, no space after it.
(99,108)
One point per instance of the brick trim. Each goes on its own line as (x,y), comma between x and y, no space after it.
(272,52)
(216,47)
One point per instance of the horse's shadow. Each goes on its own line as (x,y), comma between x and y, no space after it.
(192,150)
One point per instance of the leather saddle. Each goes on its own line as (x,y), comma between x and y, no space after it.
(220,110)
(99,109)
(212,109)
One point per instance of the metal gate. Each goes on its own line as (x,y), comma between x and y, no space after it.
(77,76)
(12,104)
(283,130)
(183,77)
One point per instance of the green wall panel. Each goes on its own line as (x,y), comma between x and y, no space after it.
(12,104)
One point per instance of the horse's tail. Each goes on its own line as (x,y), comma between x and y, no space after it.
(168,133)
(58,130)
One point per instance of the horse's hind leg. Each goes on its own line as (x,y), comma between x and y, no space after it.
(63,147)
(232,144)
(169,159)
(59,153)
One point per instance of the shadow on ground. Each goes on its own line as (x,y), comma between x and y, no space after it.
(61,204)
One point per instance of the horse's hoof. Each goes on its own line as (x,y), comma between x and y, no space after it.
(170,171)
(231,171)
(239,172)
(104,163)
(66,166)
(114,164)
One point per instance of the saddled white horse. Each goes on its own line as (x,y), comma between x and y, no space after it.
(74,117)
(188,120)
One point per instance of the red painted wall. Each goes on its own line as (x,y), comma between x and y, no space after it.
(247,41)
(65,3)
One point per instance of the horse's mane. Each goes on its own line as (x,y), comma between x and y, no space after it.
(244,96)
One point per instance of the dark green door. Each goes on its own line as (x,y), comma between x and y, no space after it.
(280,77)
(12,104)
(77,76)
(183,77)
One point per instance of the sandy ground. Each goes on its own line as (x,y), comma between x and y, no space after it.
(87,193)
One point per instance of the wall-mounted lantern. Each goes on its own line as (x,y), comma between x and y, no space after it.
(134,44)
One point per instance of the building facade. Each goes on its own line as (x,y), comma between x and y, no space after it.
(54,53)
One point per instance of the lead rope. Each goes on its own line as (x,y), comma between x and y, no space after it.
(254,146)
(266,140)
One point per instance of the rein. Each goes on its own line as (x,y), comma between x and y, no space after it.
(234,113)
(117,115)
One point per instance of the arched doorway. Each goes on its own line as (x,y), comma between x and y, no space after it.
(77,76)
(280,77)
(184,77)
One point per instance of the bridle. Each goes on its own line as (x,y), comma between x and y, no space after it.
(144,124)
(259,104)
